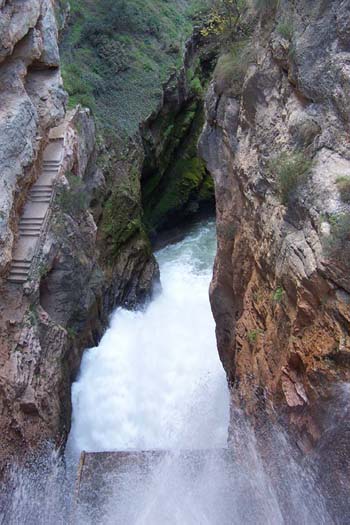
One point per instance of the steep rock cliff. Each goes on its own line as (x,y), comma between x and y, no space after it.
(32,101)
(57,302)
(281,288)
(175,184)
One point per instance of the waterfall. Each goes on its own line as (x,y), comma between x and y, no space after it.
(155,382)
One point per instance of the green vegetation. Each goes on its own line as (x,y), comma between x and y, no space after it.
(71,332)
(73,199)
(337,245)
(266,5)
(116,54)
(32,316)
(343,184)
(285,29)
(223,19)
(122,216)
(232,67)
(253,335)
(291,171)
(278,294)
(179,182)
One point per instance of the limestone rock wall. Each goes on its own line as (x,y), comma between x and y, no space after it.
(279,297)
(32,101)
(74,283)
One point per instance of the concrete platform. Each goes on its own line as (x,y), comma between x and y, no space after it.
(101,474)
(54,151)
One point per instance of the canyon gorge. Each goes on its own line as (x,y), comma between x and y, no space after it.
(147,149)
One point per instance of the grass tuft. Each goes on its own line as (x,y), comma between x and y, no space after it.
(232,67)
(291,171)
(343,184)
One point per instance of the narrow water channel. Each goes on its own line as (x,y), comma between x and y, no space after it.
(155,380)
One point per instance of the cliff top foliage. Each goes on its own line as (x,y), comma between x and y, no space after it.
(232,23)
(227,19)
(116,55)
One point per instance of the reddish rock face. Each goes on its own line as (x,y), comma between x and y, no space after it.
(279,297)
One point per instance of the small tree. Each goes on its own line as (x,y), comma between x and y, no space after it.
(224,18)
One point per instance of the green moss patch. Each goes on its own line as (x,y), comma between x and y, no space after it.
(180,182)
(122,216)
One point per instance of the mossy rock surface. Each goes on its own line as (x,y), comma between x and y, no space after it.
(180,184)
(122,215)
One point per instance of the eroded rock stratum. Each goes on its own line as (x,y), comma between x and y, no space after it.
(281,287)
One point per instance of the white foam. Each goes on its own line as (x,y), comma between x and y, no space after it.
(155,369)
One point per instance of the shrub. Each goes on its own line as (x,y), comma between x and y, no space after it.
(278,294)
(196,87)
(337,245)
(343,184)
(254,334)
(73,199)
(291,171)
(114,55)
(232,67)
(266,5)
(285,29)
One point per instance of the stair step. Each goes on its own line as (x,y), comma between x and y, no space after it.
(30,234)
(19,271)
(28,219)
(40,195)
(25,225)
(24,261)
(31,219)
(30,226)
(22,231)
(42,187)
(34,224)
(18,278)
(19,264)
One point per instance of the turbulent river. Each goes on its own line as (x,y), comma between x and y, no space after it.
(155,382)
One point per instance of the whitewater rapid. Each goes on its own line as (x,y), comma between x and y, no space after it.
(155,380)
